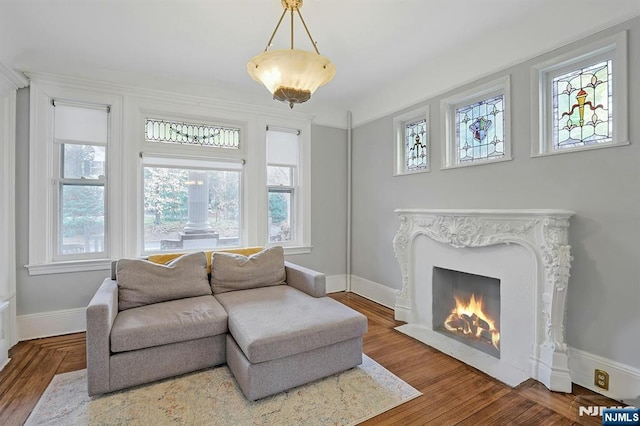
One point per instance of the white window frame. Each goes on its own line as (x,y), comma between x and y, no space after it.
(399,152)
(59,181)
(291,189)
(43,185)
(614,48)
(301,244)
(129,107)
(448,106)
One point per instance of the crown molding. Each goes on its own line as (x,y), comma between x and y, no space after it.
(11,79)
(130,90)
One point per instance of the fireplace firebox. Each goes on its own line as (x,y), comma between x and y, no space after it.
(466,307)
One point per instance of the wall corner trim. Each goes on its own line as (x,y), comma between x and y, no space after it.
(17,79)
(336,283)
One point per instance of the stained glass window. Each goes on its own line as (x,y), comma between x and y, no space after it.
(415,143)
(480,130)
(191,134)
(582,107)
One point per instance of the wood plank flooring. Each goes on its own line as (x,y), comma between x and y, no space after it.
(453,393)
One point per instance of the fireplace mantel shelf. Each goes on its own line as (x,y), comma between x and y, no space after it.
(543,231)
(489,212)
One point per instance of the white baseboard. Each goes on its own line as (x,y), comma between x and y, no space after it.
(53,323)
(381,294)
(336,283)
(624,381)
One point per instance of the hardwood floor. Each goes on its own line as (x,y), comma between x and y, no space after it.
(453,393)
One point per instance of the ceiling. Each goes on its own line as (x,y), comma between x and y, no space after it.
(388,53)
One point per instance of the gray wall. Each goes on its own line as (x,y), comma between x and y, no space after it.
(54,292)
(328,202)
(602,186)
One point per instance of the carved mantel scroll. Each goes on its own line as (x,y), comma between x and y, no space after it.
(544,232)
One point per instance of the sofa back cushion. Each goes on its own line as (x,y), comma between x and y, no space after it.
(230,272)
(141,282)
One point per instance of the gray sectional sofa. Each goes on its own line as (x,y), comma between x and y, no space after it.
(269,320)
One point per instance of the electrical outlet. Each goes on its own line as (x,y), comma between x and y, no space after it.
(601,379)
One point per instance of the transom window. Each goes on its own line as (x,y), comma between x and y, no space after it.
(164,131)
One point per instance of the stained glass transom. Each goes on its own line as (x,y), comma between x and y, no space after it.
(480,131)
(415,142)
(582,112)
(192,134)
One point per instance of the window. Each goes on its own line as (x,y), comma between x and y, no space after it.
(283,151)
(476,125)
(582,107)
(191,208)
(480,131)
(80,139)
(183,174)
(191,134)
(580,99)
(412,146)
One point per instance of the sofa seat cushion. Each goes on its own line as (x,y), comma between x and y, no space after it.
(275,322)
(168,322)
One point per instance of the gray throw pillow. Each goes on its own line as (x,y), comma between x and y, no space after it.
(141,282)
(231,272)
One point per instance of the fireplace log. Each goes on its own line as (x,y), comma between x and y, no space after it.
(487,336)
(483,324)
(468,323)
(454,323)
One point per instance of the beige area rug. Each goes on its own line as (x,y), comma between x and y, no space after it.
(212,397)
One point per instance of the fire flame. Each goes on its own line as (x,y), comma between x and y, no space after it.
(470,319)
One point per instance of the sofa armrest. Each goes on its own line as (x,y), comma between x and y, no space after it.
(101,313)
(306,280)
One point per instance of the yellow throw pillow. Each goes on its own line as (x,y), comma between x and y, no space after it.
(168,257)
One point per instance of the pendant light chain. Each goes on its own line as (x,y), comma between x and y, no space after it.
(304,24)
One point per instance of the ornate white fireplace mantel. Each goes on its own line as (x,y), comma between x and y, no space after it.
(544,233)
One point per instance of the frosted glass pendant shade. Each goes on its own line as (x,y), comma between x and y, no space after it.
(291,75)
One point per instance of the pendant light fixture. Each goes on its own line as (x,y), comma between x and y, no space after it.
(291,75)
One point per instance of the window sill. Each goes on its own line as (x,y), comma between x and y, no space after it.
(293,250)
(69,266)
(578,149)
(477,163)
(414,172)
